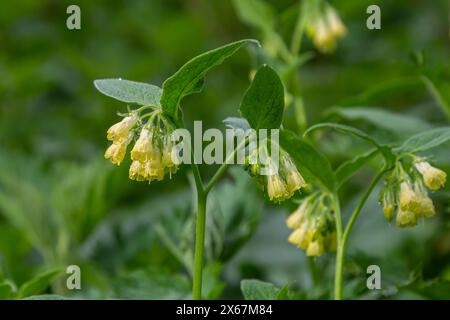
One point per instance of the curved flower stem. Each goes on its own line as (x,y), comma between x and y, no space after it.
(343,238)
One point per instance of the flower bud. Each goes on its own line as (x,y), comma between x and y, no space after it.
(315,248)
(433,178)
(120,130)
(409,201)
(295,220)
(276,188)
(116,151)
(335,24)
(406,218)
(143,147)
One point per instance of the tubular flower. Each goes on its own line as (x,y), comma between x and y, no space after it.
(276,188)
(116,151)
(283,184)
(143,147)
(325,28)
(406,218)
(120,130)
(152,151)
(294,181)
(409,200)
(433,178)
(313,225)
(151,156)
(280,180)
(407,193)
(337,28)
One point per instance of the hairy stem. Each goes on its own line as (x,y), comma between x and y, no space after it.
(343,238)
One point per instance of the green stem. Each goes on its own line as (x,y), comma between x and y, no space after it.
(199,232)
(202,197)
(339,262)
(199,245)
(298,33)
(343,239)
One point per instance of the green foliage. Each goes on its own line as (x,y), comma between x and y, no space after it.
(130,91)
(256,13)
(403,124)
(263,103)
(312,165)
(39,283)
(189,78)
(347,169)
(426,140)
(60,203)
(259,290)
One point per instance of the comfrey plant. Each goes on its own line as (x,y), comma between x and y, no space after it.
(283,167)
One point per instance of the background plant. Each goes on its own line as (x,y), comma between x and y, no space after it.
(50,118)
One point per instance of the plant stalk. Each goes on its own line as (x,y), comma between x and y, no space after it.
(343,238)
(199,245)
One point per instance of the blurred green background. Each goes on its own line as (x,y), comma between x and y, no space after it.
(61,203)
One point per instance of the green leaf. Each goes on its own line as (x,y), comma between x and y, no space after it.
(344,129)
(256,13)
(383,119)
(313,165)
(263,103)
(258,290)
(439,93)
(385,150)
(130,91)
(39,283)
(283,294)
(349,168)
(152,284)
(7,290)
(425,140)
(189,77)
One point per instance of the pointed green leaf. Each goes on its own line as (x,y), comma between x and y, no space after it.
(384,119)
(38,284)
(426,140)
(349,168)
(385,150)
(188,79)
(253,289)
(263,103)
(130,91)
(7,290)
(314,166)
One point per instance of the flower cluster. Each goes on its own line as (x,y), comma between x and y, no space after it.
(314,226)
(326,28)
(281,180)
(153,153)
(406,193)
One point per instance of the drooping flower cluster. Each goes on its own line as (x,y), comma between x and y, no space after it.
(325,28)
(153,153)
(281,180)
(314,226)
(406,193)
